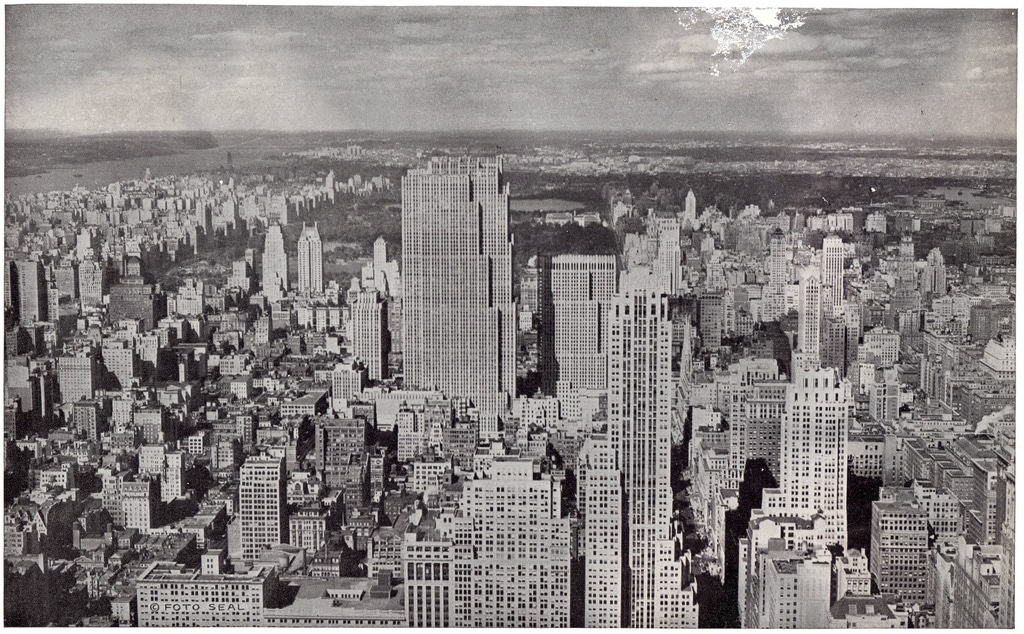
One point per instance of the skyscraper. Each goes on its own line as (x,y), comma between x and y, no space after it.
(275,265)
(814,451)
(262,511)
(31,284)
(778,276)
(712,319)
(575,296)
(640,414)
(601,507)
(690,210)
(459,320)
(808,336)
(311,261)
(368,335)
(934,279)
(832,252)
(380,261)
(520,554)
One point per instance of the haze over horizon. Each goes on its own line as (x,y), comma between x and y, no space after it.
(914,72)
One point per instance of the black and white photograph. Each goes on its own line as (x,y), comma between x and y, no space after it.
(509,316)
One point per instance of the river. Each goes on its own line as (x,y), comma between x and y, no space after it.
(244,154)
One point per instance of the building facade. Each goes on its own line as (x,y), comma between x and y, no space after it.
(459,328)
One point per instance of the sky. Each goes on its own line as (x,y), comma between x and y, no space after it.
(104,68)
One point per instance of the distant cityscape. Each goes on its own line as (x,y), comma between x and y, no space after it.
(779,417)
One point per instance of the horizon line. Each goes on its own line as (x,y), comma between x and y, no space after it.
(482,131)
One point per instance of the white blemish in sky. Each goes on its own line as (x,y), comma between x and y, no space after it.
(767,17)
(741,32)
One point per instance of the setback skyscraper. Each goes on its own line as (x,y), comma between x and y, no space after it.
(275,265)
(311,261)
(814,451)
(640,414)
(459,319)
(832,252)
(576,291)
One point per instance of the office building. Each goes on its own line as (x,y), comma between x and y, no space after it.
(977,579)
(119,359)
(778,276)
(640,414)
(501,561)
(347,381)
(899,546)
(169,595)
(712,319)
(135,300)
(603,523)
(262,512)
(430,580)
(797,590)
(31,285)
(139,502)
(459,330)
(832,253)
(89,418)
(808,337)
(933,279)
(575,292)
(519,570)
(76,376)
(172,482)
(369,334)
(92,283)
(813,467)
(275,265)
(311,261)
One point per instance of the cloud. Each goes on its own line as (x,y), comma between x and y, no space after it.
(979,73)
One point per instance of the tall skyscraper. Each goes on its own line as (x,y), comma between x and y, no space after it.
(275,265)
(31,284)
(520,552)
(459,327)
(808,336)
(711,323)
(503,561)
(576,291)
(832,252)
(814,451)
(368,335)
(778,276)
(690,210)
(262,507)
(906,269)
(380,261)
(666,261)
(934,278)
(640,414)
(311,261)
(10,284)
(602,525)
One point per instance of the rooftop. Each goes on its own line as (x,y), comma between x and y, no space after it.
(164,571)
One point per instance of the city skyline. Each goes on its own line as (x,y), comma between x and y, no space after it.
(108,69)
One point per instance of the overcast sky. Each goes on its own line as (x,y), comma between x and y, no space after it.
(107,68)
